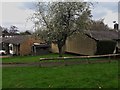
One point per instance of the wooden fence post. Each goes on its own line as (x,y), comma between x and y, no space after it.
(109,58)
(40,64)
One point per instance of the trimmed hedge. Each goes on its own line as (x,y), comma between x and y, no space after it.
(105,47)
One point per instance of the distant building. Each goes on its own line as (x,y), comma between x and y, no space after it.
(92,43)
(19,45)
(40,49)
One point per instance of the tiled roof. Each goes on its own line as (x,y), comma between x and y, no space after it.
(104,35)
(14,39)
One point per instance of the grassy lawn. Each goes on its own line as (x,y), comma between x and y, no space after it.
(24,59)
(103,75)
(30,58)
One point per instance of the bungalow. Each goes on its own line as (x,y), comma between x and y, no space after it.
(19,44)
(91,43)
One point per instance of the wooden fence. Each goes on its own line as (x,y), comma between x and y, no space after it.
(65,61)
(79,57)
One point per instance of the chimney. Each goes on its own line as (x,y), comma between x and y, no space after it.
(116,26)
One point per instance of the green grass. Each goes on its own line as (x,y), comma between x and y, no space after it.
(30,58)
(103,75)
(25,59)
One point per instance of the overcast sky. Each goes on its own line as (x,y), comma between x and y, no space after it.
(17,13)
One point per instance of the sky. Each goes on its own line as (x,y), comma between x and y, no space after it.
(18,13)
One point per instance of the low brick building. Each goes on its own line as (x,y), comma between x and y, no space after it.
(19,44)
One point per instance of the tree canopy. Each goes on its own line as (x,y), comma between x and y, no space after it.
(56,21)
(27,32)
(13,29)
(98,25)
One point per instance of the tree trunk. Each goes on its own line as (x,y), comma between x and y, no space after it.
(60,50)
(60,44)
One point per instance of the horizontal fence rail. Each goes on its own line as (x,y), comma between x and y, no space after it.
(80,57)
(66,61)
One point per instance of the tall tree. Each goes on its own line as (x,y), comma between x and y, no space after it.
(4,31)
(13,29)
(99,25)
(27,32)
(60,20)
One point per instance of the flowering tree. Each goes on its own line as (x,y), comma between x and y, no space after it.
(59,20)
